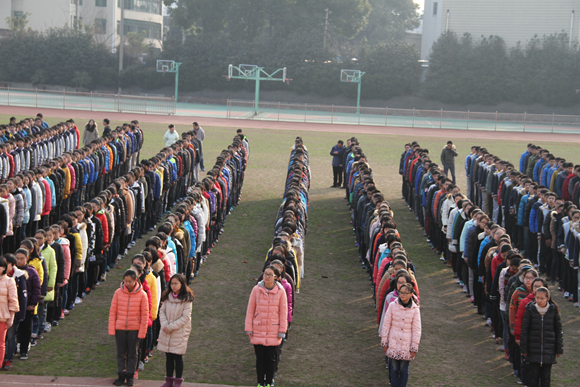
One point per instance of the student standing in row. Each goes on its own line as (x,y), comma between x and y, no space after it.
(175,319)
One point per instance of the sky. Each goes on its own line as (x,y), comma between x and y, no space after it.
(421,3)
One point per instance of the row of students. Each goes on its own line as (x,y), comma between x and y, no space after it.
(391,272)
(271,306)
(86,243)
(170,260)
(478,249)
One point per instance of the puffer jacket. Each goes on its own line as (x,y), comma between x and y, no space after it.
(129,311)
(175,314)
(8,299)
(267,315)
(542,338)
(401,331)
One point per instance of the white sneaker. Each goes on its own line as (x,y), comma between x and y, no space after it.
(488,322)
(464,289)
(141,365)
(47,327)
(566,294)
(78,300)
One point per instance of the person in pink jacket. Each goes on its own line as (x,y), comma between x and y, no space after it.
(8,304)
(128,319)
(267,323)
(401,333)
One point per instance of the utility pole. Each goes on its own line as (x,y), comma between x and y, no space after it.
(325,29)
(121,38)
(76,25)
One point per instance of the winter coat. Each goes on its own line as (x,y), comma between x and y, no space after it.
(20,277)
(267,315)
(175,314)
(32,286)
(448,156)
(89,136)
(129,311)
(520,314)
(401,331)
(8,299)
(50,259)
(542,337)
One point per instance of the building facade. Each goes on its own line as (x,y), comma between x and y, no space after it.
(101,18)
(513,20)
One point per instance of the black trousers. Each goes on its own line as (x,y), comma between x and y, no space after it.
(337,176)
(25,332)
(540,375)
(127,349)
(266,363)
(174,362)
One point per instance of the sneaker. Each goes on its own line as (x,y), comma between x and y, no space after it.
(18,348)
(55,323)
(464,289)
(103,278)
(7,366)
(136,375)
(23,356)
(141,366)
(461,284)
(47,327)
(62,314)
(78,300)
(566,294)
(472,299)
(501,348)
(32,343)
(458,281)
(488,322)
(40,336)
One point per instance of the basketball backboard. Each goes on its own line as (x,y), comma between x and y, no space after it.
(165,66)
(350,75)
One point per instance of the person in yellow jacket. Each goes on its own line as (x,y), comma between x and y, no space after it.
(49,256)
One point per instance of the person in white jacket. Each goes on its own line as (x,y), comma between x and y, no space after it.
(171,136)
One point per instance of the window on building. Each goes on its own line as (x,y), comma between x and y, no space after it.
(152,30)
(18,15)
(77,24)
(100,26)
(75,1)
(435,8)
(149,6)
(100,3)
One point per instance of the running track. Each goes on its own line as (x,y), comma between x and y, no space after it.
(345,129)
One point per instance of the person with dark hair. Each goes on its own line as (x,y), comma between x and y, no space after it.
(8,304)
(128,317)
(401,334)
(34,296)
(175,319)
(171,136)
(91,132)
(542,339)
(267,323)
(20,277)
(448,155)
(336,153)
(106,127)
(199,135)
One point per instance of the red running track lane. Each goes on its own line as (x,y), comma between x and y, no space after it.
(9,380)
(279,125)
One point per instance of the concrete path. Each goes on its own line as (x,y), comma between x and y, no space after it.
(9,380)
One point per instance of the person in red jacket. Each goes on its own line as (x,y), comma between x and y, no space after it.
(128,318)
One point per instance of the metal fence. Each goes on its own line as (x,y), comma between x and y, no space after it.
(432,119)
(86,101)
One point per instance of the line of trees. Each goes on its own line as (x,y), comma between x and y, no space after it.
(464,71)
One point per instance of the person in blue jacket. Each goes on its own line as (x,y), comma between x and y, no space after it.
(336,153)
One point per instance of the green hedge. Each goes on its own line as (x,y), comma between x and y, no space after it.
(463,71)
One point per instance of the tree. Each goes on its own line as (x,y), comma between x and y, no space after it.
(389,19)
(18,24)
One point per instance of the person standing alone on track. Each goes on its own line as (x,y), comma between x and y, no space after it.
(448,155)
(336,153)
(171,136)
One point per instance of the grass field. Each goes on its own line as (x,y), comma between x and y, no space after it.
(333,340)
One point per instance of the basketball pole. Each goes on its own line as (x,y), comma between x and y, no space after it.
(358,98)
(177,64)
(257,74)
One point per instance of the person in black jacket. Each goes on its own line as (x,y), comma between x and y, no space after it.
(542,340)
